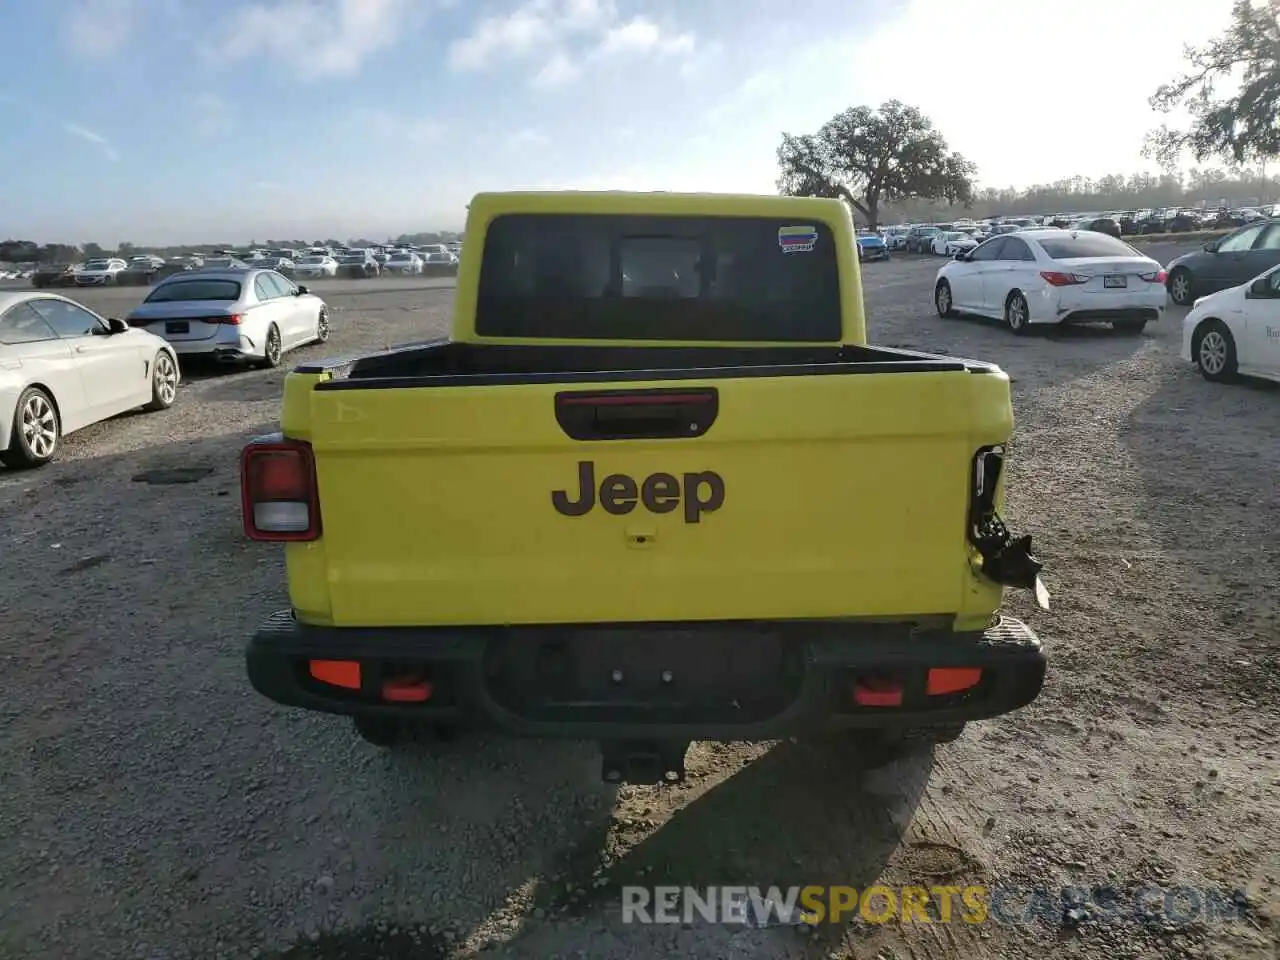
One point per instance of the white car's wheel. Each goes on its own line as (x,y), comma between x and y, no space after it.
(164,382)
(322,326)
(1016,313)
(942,299)
(1214,350)
(272,349)
(37,430)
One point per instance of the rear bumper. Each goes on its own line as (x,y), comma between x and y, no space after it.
(716,681)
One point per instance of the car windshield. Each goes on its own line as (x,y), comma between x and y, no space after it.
(353,258)
(207,289)
(400,256)
(96,265)
(219,262)
(1086,245)
(658,277)
(313,259)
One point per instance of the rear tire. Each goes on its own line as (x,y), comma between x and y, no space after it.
(1017,315)
(322,326)
(381,731)
(1181,289)
(272,350)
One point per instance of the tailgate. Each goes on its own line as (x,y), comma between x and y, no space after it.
(797,496)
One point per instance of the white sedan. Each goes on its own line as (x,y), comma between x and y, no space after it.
(1052,277)
(235,316)
(63,367)
(1236,331)
(952,242)
(315,266)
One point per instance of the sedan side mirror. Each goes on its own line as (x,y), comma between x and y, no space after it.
(1211,246)
(1261,288)
(116,325)
(961,256)
(300,291)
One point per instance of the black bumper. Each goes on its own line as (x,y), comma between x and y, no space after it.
(715,681)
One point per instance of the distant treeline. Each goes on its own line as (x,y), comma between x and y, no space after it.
(1116,192)
(28,251)
(1075,195)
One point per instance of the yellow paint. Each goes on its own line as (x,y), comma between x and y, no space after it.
(845,496)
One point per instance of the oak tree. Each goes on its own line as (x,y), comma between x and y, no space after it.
(868,157)
(1242,126)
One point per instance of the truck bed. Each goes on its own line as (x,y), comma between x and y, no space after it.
(474,484)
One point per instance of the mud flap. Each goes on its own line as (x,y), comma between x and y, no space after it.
(1006,559)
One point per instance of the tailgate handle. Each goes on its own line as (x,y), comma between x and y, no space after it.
(666,414)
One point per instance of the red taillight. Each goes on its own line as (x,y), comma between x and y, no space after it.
(234,320)
(278,491)
(1158,277)
(1057,279)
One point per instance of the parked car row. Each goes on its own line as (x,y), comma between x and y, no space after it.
(63,367)
(1050,277)
(313,264)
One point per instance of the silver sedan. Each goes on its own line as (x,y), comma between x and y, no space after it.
(63,367)
(236,315)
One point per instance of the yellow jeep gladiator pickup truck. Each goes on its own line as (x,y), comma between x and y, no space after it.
(654,488)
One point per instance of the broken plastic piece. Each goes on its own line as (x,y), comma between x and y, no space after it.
(1042,594)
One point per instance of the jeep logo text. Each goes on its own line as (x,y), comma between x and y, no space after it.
(660,493)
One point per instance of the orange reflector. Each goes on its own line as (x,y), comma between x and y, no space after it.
(943,680)
(877,692)
(406,691)
(339,673)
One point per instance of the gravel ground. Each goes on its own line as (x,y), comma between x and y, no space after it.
(154,806)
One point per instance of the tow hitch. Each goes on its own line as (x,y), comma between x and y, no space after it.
(1006,559)
(642,762)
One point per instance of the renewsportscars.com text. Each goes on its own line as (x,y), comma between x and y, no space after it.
(972,904)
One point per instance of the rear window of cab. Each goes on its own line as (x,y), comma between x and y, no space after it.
(631,277)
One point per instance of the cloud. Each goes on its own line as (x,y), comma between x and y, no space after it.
(550,30)
(97,139)
(317,39)
(98,28)
(213,115)
(641,35)
(557,72)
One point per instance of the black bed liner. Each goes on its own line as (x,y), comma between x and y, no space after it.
(445,363)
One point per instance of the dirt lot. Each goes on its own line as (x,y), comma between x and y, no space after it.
(154,806)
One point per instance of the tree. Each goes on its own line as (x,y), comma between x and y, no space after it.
(1244,126)
(868,157)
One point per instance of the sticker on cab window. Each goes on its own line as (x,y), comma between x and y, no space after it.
(797,239)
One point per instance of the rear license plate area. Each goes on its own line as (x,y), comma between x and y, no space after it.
(655,673)
(1115,282)
(177,326)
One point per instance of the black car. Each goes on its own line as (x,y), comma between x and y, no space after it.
(1099,225)
(1226,262)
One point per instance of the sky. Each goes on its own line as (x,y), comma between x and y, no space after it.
(188,121)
